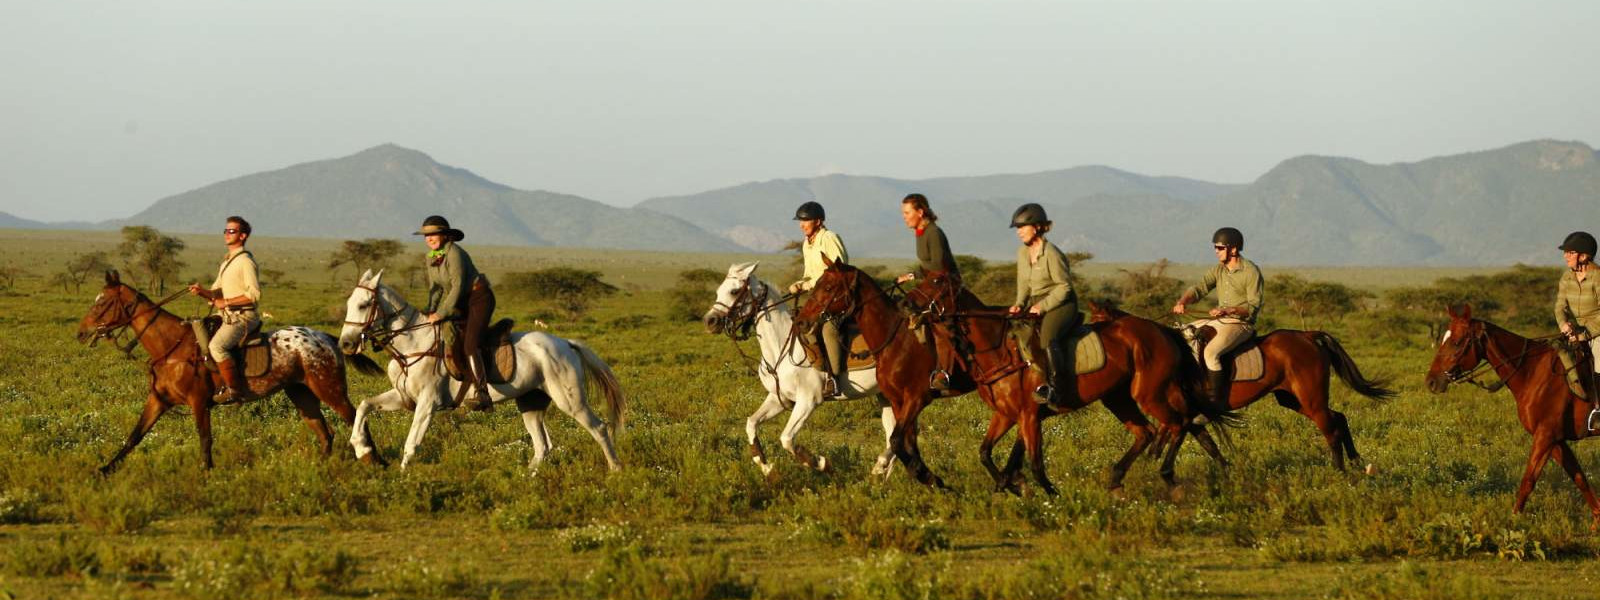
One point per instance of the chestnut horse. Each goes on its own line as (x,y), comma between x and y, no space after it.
(1148,374)
(1298,369)
(306,365)
(1532,369)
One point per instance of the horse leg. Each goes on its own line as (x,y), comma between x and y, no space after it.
(1032,437)
(1530,474)
(1569,462)
(331,390)
(1169,462)
(311,414)
(533,405)
(769,408)
(153,409)
(998,426)
(924,474)
(885,462)
(1346,440)
(1011,475)
(569,397)
(801,412)
(201,408)
(1124,409)
(421,419)
(1208,444)
(361,435)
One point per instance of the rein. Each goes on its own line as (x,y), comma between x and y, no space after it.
(129,311)
(381,337)
(1481,338)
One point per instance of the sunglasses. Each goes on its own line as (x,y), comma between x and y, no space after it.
(1219,248)
(230,231)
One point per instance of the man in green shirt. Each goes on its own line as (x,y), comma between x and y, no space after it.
(1239,285)
(1578,307)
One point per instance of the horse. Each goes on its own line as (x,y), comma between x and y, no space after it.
(306,366)
(745,304)
(1147,374)
(1532,369)
(1298,368)
(548,368)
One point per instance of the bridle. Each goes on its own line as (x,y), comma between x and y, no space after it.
(112,330)
(851,309)
(1478,338)
(376,332)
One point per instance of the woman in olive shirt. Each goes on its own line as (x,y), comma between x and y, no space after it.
(933,249)
(456,290)
(1044,288)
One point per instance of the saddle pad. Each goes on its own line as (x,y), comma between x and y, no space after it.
(1569,363)
(1089,353)
(501,369)
(257,358)
(1249,365)
(858,345)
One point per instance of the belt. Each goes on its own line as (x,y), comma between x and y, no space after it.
(240,308)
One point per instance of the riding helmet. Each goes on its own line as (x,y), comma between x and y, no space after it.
(1580,242)
(1029,214)
(810,211)
(1228,236)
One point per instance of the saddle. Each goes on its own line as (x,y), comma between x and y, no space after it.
(1576,361)
(1245,361)
(499,357)
(857,359)
(256,348)
(1089,353)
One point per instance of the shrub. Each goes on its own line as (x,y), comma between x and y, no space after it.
(570,290)
(693,293)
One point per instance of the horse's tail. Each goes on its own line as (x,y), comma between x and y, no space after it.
(364,364)
(1346,368)
(1192,380)
(600,373)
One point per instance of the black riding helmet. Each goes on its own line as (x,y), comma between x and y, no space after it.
(1029,214)
(1228,236)
(810,211)
(1580,242)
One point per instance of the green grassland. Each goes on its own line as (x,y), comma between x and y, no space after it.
(692,517)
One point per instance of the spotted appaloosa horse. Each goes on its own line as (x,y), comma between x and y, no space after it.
(306,366)
(1532,370)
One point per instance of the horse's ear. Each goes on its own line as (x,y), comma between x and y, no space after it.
(112,277)
(743,270)
(365,276)
(827,261)
(377,276)
(1466,311)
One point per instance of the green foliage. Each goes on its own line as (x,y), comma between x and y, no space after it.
(569,290)
(150,257)
(1411,581)
(1325,299)
(1148,292)
(9,275)
(631,573)
(63,556)
(370,253)
(19,506)
(84,266)
(693,293)
(242,569)
(971,267)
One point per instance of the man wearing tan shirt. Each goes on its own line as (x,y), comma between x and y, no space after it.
(821,242)
(235,294)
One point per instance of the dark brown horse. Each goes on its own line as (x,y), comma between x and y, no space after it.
(1298,370)
(1533,371)
(1148,374)
(306,365)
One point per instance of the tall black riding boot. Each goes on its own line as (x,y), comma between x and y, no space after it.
(480,382)
(1219,388)
(1066,376)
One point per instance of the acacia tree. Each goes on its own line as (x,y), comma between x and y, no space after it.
(148,253)
(80,268)
(366,254)
(570,290)
(1304,297)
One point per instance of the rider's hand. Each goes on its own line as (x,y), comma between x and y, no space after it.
(905,278)
(1566,329)
(1217,312)
(1179,308)
(219,302)
(1034,310)
(1014,310)
(434,317)
(794,288)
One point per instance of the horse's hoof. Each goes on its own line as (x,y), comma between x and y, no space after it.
(1371,469)
(823,465)
(766,469)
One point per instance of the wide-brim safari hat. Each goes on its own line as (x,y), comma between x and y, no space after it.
(438,225)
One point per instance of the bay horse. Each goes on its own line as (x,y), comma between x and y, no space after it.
(1299,366)
(548,370)
(1147,374)
(306,365)
(744,305)
(1532,369)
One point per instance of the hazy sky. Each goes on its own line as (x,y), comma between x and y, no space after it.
(106,107)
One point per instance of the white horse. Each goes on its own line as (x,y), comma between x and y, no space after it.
(745,303)
(548,369)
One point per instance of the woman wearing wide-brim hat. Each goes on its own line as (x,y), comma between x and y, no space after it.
(457,291)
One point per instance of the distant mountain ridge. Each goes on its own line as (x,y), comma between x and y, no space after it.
(387,190)
(1511,204)
(1500,206)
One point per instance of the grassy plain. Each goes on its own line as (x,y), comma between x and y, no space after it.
(691,517)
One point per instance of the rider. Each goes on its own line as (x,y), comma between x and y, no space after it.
(820,242)
(1578,300)
(235,294)
(1239,285)
(456,290)
(933,256)
(1044,286)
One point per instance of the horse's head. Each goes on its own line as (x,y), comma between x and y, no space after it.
(740,298)
(113,308)
(835,295)
(362,311)
(1460,350)
(938,292)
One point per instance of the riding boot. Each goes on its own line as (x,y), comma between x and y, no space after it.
(480,383)
(235,388)
(1219,388)
(1046,392)
(1066,376)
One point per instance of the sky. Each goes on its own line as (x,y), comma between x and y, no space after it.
(108,106)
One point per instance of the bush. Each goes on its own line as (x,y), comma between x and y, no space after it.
(629,572)
(694,292)
(569,290)
(64,556)
(247,570)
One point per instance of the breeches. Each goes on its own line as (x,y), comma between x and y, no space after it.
(1230,333)
(834,343)
(1056,324)
(1594,353)
(230,335)
(480,307)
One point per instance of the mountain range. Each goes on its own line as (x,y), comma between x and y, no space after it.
(1512,204)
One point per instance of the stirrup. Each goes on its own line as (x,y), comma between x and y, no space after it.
(1045,394)
(939,380)
(1593,422)
(226,395)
